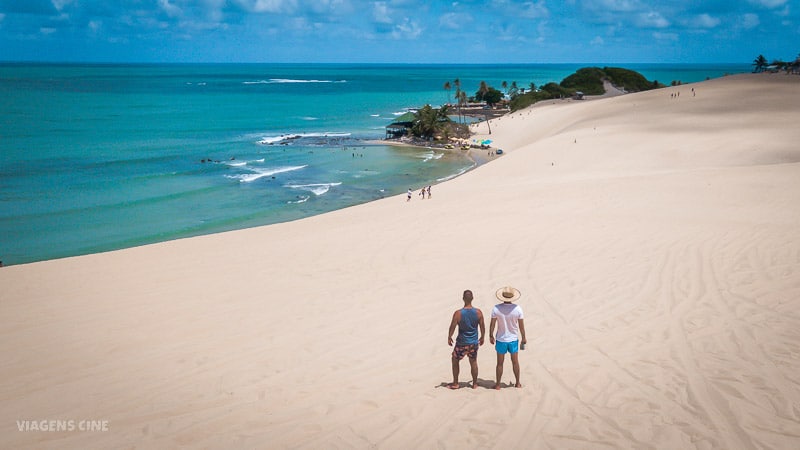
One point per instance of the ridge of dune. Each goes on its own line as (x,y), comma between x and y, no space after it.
(655,240)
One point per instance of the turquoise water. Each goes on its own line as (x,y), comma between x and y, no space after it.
(102,157)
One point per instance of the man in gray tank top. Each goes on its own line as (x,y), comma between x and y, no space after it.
(469,320)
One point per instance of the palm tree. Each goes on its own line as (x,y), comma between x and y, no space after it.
(447,88)
(462,100)
(429,121)
(483,90)
(760,64)
(457,84)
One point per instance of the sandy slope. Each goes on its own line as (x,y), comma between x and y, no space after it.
(656,242)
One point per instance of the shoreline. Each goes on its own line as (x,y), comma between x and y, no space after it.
(474,154)
(657,264)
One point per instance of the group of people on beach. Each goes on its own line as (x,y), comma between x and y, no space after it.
(507,318)
(422,192)
(678,94)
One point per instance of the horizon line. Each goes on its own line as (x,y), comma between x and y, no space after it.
(137,63)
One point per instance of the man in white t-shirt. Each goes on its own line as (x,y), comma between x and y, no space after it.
(508,319)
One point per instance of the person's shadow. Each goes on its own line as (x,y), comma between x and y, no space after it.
(485,384)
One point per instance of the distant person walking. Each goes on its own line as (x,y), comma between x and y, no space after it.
(508,319)
(429,192)
(469,320)
(409,195)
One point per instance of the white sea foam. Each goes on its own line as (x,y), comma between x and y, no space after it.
(374,115)
(286,80)
(430,155)
(461,172)
(244,163)
(268,140)
(300,199)
(334,134)
(259,173)
(407,110)
(317,189)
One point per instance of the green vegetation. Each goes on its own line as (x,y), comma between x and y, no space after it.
(760,64)
(430,123)
(588,80)
(629,80)
(491,96)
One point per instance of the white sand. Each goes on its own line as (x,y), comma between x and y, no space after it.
(656,242)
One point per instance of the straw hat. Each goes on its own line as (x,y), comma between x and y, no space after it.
(508,294)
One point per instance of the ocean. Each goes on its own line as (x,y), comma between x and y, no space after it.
(102,157)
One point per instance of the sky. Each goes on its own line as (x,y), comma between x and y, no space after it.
(399,31)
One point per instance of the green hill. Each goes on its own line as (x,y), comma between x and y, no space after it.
(588,80)
(629,80)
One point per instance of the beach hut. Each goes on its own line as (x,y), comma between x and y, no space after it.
(400,126)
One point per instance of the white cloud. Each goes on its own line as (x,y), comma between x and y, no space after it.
(268,6)
(534,10)
(617,5)
(771,4)
(213,10)
(47,30)
(300,24)
(169,8)
(380,12)
(704,21)
(597,41)
(60,4)
(455,21)
(407,30)
(750,21)
(665,36)
(651,20)
(330,7)
(505,32)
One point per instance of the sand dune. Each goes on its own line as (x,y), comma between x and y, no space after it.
(656,241)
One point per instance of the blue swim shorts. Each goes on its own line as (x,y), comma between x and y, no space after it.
(506,347)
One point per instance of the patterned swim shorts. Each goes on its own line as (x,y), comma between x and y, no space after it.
(469,350)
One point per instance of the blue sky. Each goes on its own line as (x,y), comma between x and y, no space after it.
(430,31)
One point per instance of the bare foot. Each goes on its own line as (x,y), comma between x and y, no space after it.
(453,386)
(474,385)
(497,386)
(519,385)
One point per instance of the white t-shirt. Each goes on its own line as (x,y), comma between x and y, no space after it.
(507,315)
